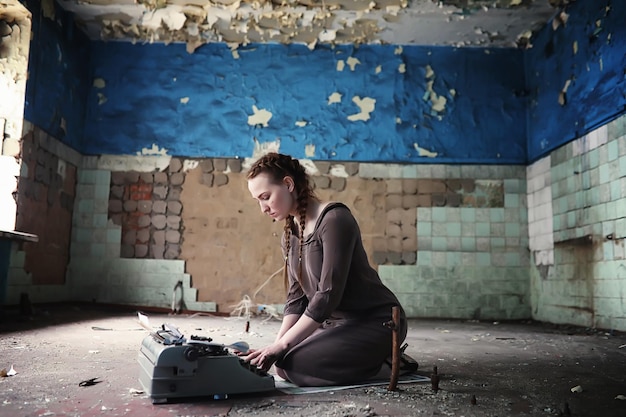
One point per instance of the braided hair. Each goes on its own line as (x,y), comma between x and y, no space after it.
(279,166)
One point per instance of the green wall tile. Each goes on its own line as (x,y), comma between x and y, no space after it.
(497,214)
(424,243)
(616,190)
(513,186)
(469,214)
(512,229)
(622,165)
(424,258)
(593,158)
(85,206)
(424,229)
(497,243)
(453,259)
(100,220)
(453,243)
(453,229)
(483,259)
(439,229)
(439,259)
(114,235)
(612,150)
(468,244)
(98,250)
(512,259)
(424,214)
(439,214)
(483,229)
(511,200)
(102,191)
(87,176)
(453,214)
(604,174)
(468,259)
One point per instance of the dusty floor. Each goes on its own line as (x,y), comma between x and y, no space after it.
(512,369)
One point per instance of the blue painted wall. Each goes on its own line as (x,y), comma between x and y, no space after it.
(58,76)
(597,92)
(502,105)
(483,120)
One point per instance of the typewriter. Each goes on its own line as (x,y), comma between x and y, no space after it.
(172,366)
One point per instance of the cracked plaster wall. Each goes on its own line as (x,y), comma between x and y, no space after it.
(372,103)
(423,104)
(239,22)
(576,71)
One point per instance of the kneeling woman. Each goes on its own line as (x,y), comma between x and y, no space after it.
(332,332)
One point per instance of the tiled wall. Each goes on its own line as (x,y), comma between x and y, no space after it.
(45,200)
(472,260)
(577,216)
(451,241)
(96,270)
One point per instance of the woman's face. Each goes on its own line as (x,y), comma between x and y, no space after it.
(275,199)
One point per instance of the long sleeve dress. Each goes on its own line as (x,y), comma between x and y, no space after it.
(341,291)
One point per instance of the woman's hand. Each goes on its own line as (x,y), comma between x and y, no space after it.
(264,358)
(246,353)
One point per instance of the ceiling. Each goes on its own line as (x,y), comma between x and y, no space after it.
(485,23)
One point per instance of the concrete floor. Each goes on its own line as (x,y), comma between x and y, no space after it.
(511,369)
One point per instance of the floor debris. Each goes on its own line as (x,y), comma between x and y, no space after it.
(529,376)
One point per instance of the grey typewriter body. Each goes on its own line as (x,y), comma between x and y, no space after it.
(173,367)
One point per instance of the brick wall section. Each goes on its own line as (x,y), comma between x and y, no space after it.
(110,202)
(148,207)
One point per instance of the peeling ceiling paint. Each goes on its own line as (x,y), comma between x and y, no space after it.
(492,23)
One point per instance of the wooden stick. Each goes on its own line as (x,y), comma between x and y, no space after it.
(395,349)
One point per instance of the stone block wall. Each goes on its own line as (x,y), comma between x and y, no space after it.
(577,212)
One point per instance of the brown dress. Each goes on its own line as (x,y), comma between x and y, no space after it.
(341,291)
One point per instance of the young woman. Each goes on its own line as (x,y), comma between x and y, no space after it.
(332,331)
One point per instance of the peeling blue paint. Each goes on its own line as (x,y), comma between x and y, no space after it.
(596,67)
(501,105)
(144,85)
(58,80)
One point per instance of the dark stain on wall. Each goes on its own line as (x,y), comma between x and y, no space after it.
(45,200)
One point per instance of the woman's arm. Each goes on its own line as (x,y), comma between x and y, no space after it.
(288,321)
(293,331)
(299,331)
